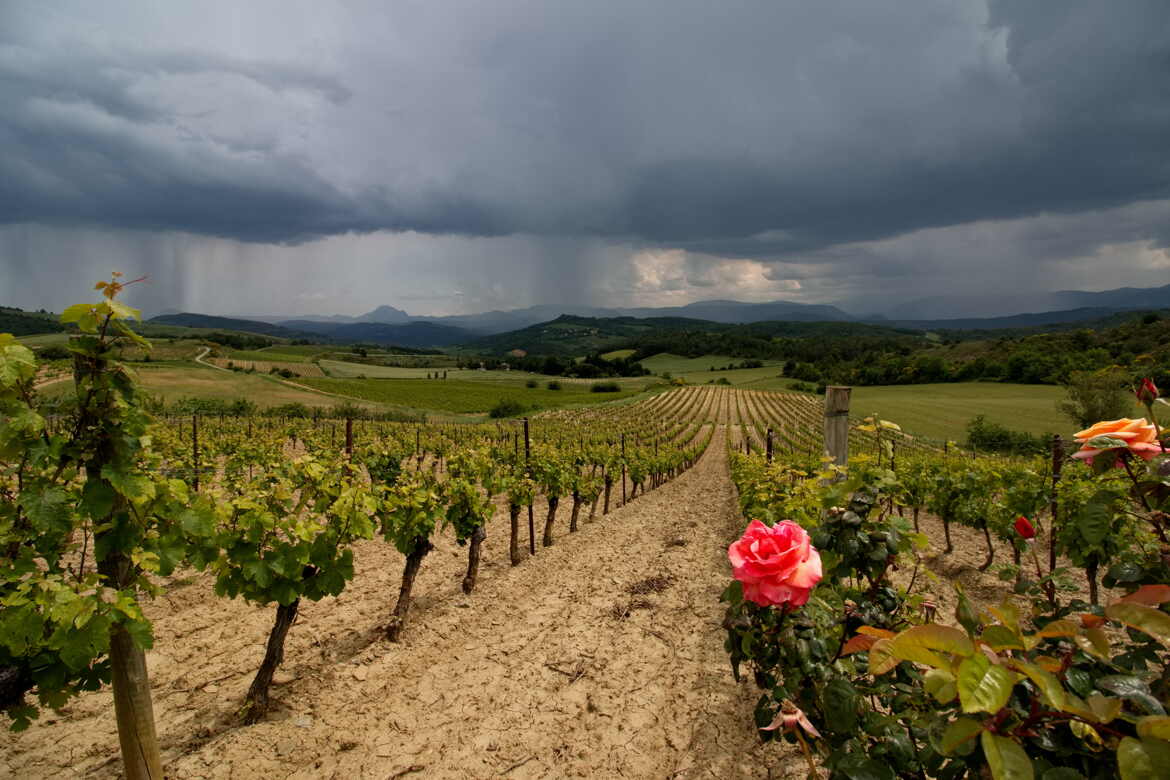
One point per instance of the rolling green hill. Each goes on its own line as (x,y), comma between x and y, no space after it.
(27,323)
(573,336)
(191,320)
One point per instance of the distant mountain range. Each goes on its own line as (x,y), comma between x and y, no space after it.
(388,325)
(492,322)
(969,307)
(935,312)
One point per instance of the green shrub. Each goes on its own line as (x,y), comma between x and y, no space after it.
(506,407)
(297,410)
(54,352)
(554,385)
(992,437)
(530,383)
(605,387)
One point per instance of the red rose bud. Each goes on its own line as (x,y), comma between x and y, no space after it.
(1147,392)
(1025,529)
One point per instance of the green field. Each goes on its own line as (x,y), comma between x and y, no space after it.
(766,378)
(942,411)
(176,382)
(465,396)
(618,354)
(697,371)
(677,364)
(43,339)
(346,370)
(280,353)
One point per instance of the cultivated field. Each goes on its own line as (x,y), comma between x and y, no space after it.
(178,382)
(265,367)
(468,396)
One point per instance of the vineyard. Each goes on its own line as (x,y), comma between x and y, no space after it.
(541,597)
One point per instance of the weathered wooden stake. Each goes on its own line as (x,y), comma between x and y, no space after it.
(349,436)
(837,423)
(769,445)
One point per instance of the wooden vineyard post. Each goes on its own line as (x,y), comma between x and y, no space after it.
(837,423)
(528,471)
(769,445)
(195,451)
(349,436)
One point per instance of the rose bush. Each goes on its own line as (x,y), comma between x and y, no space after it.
(776,565)
(812,692)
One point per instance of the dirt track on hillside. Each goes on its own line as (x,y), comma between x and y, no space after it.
(569,665)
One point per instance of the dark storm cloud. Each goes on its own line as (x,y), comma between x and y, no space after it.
(738,129)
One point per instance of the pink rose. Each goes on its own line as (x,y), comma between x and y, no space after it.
(776,565)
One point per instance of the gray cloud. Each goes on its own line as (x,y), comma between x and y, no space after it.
(832,122)
(843,146)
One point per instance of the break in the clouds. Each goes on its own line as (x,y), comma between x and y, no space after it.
(456,156)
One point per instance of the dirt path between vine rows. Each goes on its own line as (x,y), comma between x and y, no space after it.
(600,657)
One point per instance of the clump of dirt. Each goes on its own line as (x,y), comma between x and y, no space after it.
(655,584)
(623,610)
(676,543)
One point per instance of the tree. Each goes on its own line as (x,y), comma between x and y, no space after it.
(1096,395)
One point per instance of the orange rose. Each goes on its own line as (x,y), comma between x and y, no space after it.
(1140,437)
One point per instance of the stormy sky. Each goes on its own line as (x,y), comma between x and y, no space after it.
(446,157)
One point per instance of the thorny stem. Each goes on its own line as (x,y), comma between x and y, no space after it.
(1035,559)
(1137,488)
(1154,422)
